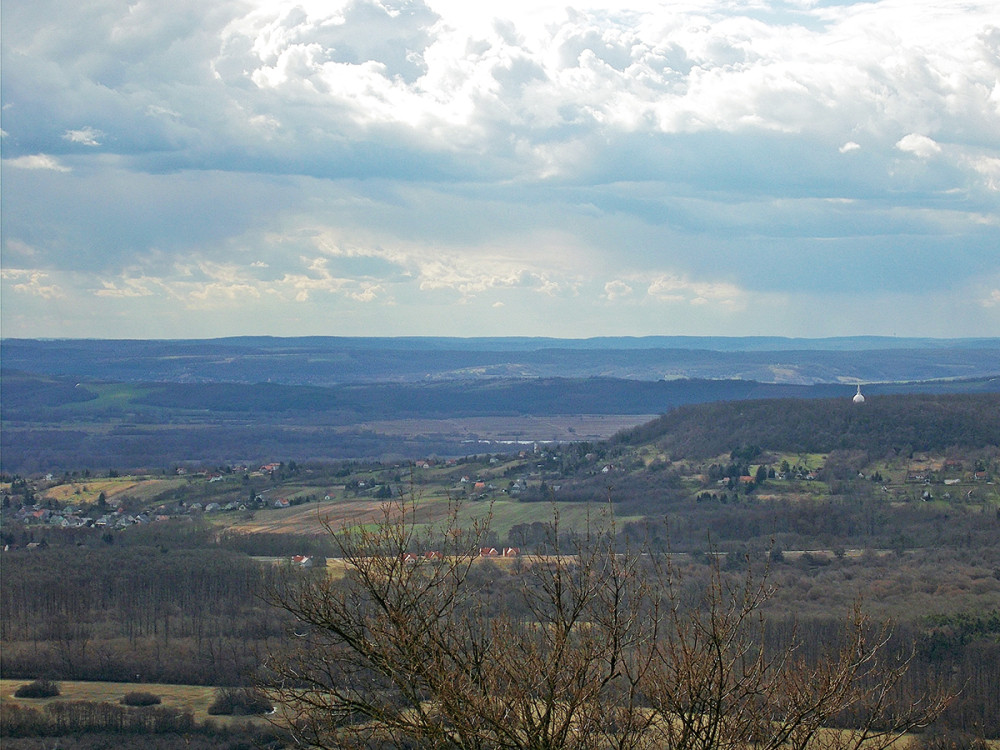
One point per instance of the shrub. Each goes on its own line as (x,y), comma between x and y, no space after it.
(950,740)
(38,689)
(140,698)
(239,702)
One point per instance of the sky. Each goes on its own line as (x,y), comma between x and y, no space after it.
(193,169)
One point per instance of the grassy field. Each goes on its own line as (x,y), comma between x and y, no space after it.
(84,491)
(434,509)
(194,698)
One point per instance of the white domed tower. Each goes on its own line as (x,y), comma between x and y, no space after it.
(858,398)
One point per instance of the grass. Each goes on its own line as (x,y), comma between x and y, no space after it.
(431,509)
(110,396)
(194,698)
(83,491)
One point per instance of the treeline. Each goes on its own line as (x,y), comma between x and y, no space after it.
(27,451)
(93,725)
(26,391)
(891,423)
(69,717)
(273,544)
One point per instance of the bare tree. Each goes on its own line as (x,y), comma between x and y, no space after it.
(592,647)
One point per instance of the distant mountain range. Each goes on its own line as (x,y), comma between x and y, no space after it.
(326,361)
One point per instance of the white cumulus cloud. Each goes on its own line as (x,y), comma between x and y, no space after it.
(918,145)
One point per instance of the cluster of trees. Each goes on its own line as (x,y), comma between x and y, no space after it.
(135,614)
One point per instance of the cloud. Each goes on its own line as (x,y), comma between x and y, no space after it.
(675,288)
(354,155)
(32,282)
(85,136)
(128,288)
(470,277)
(616,289)
(989,168)
(918,145)
(37,161)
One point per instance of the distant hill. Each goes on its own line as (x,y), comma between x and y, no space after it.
(334,360)
(58,422)
(920,422)
(56,399)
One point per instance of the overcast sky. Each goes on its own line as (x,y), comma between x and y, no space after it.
(799,167)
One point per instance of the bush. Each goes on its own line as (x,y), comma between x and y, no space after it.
(950,740)
(140,698)
(38,689)
(239,702)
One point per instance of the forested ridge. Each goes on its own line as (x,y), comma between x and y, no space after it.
(887,423)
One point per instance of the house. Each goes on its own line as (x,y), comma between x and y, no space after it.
(488,552)
(302,561)
(270,468)
(281,502)
(511,551)
(433,555)
(409,557)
